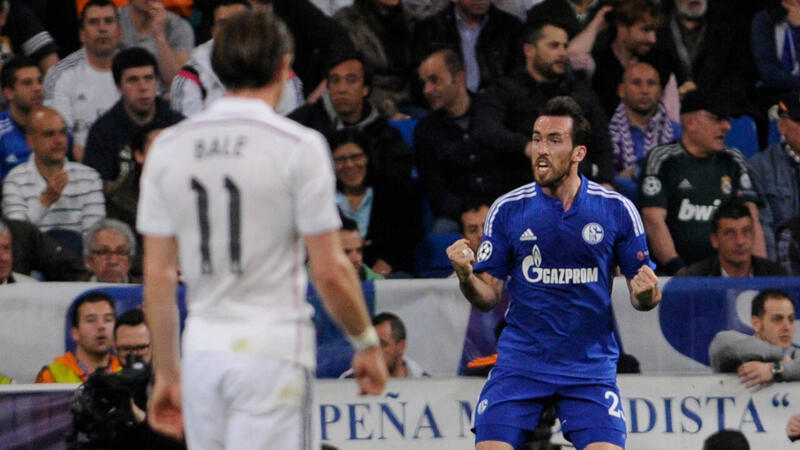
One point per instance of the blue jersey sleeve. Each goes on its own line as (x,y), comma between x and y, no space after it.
(494,254)
(631,246)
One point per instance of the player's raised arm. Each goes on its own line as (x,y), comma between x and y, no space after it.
(337,283)
(482,290)
(645,294)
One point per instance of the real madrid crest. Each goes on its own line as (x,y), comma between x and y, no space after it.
(725,185)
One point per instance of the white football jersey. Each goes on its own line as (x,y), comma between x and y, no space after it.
(238,186)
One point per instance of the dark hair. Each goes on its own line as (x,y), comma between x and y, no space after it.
(97,4)
(757,307)
(564,106)
(8,76)
(130,58)
(348,135)
(398,329)
(339,57)
(731,209)
(249,48)
(130,318)
(629,12)
(726,440)
(139,137)
(221,3)
(91,297)
(534,31)
(452,60)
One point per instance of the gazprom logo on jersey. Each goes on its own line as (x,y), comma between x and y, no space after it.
(533,272)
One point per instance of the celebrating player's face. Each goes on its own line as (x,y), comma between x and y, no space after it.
(552,153)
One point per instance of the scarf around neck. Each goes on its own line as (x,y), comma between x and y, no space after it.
(659,131)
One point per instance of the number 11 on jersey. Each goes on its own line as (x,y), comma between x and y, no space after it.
(234,220)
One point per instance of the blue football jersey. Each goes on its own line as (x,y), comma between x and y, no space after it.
(560,268)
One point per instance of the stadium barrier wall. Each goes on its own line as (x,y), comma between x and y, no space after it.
(662,413)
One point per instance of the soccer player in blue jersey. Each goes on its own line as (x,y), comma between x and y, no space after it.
(557,241)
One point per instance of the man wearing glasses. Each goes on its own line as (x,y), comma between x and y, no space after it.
(685,181)
(109,247)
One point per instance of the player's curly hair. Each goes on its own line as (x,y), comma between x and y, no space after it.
(248,50)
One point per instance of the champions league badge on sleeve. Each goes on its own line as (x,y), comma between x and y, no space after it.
(651,186)
(484,251)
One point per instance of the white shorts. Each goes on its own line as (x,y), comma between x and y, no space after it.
(240,401)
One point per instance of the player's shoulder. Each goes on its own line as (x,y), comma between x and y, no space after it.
(605,199)
(511,200)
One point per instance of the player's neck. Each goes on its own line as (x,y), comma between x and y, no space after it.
(566,191)
(270,94)
(100,62)
(48,169)
(399,370)
(735,270)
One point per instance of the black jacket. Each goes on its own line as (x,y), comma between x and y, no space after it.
(389,156)
(498,49)
(723,63)
(504,117)
(34,250)
(561,13)
(710,267)
(452,166)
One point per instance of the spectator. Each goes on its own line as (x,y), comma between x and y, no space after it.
(109,248)
(726,440)
(505,113)
(452,166)
(346,106)
(81,86)
(486,37)
(92,319)
(684,182)
(386,217)
(49,191)
(767,356)
(571,15)
(473,216)
(632,39)
(27,35)
(639,123)
(21,81)
(7,276)
(793,428)
(196,85)
(392,334)
(707,47)
(776,172)
(774,39)
(732,238)
(168,37)
(380,30)
(132,336)
(787,246)
(353,245)
(107,147)
(33,250)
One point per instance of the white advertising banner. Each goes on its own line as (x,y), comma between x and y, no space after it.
(663,413)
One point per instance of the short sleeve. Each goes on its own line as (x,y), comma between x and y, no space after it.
(314,188)
(745,188)
(630,247)
(494,254)
(152,216)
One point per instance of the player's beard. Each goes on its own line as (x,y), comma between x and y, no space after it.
(554,179)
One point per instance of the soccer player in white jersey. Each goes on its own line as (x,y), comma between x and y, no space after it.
(554,245)
(234,193)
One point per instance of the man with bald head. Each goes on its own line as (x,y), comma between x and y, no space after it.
(48,190)
(639,123)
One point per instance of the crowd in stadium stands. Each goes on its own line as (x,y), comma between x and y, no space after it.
(428,107)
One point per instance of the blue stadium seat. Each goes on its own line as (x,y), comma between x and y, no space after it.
(743,135)
(773,136)
(430,259)
(406,128)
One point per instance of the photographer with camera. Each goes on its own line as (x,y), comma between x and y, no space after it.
(109,409)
